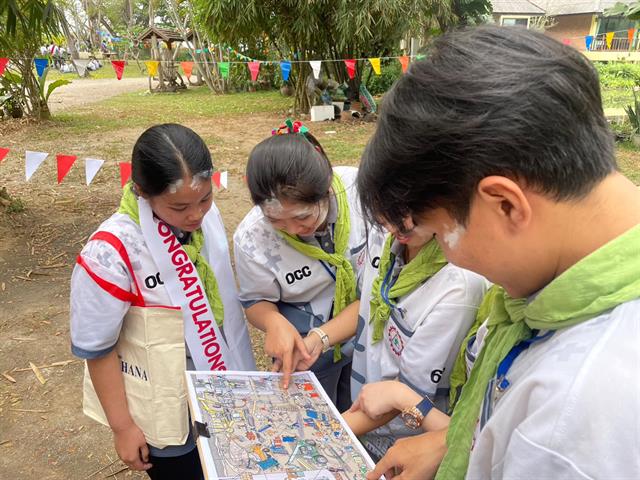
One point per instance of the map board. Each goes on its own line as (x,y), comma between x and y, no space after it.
(258,431)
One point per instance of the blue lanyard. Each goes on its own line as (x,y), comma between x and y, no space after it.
(387,284)
(326,267)
(504,366)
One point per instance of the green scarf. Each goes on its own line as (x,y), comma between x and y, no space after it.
(599,282)
(345,292)
(458,376)
(427,263)
(129,206)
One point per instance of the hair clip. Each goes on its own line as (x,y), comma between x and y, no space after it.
(290,127)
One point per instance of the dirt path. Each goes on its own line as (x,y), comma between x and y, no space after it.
(83,92)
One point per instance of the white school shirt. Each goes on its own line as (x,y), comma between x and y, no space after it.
(421,339)
(96,315)
(572,410)
(269,269)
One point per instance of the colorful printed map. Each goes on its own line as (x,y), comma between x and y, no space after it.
(258,431)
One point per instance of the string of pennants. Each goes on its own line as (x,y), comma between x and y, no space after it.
(224,67)
(285,65)
(33,161)
(607,37)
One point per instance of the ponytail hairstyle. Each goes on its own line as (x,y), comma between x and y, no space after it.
(291,165)
(167,153)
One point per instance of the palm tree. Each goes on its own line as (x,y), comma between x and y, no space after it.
(26,25)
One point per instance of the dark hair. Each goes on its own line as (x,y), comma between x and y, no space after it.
(291,166)
(486,101)
(166,153)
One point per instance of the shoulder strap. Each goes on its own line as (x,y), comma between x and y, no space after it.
(135,299)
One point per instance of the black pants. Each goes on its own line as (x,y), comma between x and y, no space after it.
(184,467)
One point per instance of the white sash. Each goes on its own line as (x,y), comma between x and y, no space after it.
(208,347)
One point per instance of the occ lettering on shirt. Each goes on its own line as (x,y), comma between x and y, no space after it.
(296,275)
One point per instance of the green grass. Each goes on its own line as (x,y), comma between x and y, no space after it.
(135,109)
(107,71)
(198,101)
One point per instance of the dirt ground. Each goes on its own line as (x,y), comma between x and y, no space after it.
(43,433)
(86,91)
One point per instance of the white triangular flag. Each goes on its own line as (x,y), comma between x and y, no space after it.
(315,64)
(81,66)
(91,168)
(32,161)
(223,179)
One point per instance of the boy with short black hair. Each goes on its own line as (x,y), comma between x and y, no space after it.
(497,141)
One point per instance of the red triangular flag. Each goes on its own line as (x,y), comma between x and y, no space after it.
(118,66)
(404,61)
(216,178)
(125,173)
(3,64)
(3,153)
(254,68)
(351,68)
(64,165)
(187,67)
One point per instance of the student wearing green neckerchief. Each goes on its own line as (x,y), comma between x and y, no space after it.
(122,279)
(498,143)
(299,251)
(415,310)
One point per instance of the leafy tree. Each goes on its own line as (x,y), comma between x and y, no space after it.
(26,25)
(629,10)
(302,30)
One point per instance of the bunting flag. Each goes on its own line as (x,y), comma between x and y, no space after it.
(588,41)
(223,179)
(610,39)
(351,68)
(566,41)
(33,160)
(315,66)
(125,173)
(224,69)
(41,64)
(81,66)
(152,67)
(65,162)
(630,34)
(3,64)
(420,56)
(91,168)
(3,153)
(118,66)
(187,68)
(216,178)
(375,64)
(285,68)
(404,61)
(254,68)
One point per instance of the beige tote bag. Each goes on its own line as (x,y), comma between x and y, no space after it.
(153,361)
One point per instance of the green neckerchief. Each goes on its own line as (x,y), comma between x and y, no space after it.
(427,263)
(599,282)
(345,292)
(458,376)
(129,206)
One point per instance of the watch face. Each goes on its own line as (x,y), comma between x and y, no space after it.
(410,420)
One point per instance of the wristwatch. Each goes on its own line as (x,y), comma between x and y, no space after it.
(413,416)
(323,337)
